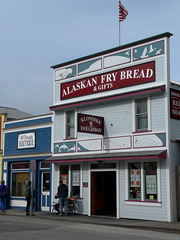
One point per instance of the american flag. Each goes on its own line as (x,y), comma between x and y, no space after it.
(122,12)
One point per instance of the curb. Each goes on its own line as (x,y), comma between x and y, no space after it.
(104,222)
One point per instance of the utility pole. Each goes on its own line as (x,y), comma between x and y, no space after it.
(33,168)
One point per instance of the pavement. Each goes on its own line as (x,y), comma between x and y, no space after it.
(173,227)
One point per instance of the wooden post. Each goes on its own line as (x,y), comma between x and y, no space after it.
(33,168)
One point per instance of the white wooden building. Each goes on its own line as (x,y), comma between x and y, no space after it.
(116,130)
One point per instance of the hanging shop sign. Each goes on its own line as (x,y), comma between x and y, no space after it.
(175,103)
(26,140)
(126,77)
(90,124)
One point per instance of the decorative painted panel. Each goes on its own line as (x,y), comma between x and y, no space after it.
(65,147)
(65,73)
(117,59)
(149,50)
(117,143)
(90,66)
(90,145)
(150,140)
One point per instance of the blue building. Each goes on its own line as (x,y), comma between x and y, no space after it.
(27,145)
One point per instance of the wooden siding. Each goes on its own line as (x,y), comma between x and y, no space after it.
(43,142)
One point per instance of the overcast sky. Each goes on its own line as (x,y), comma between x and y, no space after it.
(36,34)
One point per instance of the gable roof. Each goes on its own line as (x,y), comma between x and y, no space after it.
(13,113)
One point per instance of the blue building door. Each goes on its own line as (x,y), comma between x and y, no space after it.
(45,191)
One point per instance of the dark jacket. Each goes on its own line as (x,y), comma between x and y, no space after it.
(62,190)
(2,188)
(28,191)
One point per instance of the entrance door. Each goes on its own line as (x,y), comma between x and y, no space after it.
(97,193)
(103,193)
(45,191)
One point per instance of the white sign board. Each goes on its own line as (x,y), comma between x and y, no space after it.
(26,140)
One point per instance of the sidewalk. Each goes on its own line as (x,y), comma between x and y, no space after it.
(107,221)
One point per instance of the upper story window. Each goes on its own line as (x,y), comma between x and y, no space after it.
(141,114)
(70,124)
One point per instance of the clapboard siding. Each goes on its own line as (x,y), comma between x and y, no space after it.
(43,142)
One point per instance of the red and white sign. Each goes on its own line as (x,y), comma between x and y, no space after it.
(175,103)
(90,124)
(126,77)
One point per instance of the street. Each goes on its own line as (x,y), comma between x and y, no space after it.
(17,228)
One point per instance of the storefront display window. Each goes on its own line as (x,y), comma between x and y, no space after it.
(135,181)
(143,181)
(19,180)
(75,181)
(150,181)
(64,174)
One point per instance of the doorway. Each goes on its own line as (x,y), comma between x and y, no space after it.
(45,191)
(103,193)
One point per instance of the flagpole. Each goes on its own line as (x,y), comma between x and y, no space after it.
(119,33)
(122,16)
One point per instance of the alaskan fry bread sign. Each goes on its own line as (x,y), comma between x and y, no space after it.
(130,76)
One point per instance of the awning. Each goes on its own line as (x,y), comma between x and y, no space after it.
(138,155)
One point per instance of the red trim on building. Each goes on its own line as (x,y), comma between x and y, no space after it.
(162,155)
(149,91)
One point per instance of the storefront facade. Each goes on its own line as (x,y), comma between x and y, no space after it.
(113,129)
(27,145)
(3,117)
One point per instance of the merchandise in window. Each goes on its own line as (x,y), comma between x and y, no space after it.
(75,181)
(70,124)
(135,181)
(141,114)
(19,180)
(64,174)
(150,181)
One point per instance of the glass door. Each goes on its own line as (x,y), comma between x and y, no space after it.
(45,191)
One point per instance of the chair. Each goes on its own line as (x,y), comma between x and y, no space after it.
(72,205)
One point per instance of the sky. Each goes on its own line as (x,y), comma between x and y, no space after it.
(37,34)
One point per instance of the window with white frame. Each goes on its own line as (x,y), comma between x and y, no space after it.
(141,106)
(19,178)
(70,124)
(73,180)
(143,181)
(75,183)
(150,170)
(135,181)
